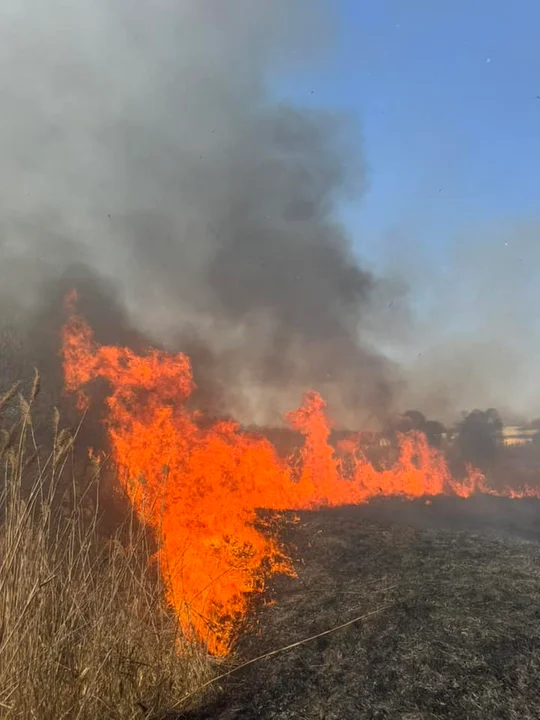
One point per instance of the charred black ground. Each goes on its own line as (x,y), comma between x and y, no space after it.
(461,638)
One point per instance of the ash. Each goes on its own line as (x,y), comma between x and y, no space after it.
(461,638)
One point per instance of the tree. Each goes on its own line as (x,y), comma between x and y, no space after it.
(434,432)
(417,419)
(414,420)
(480,437)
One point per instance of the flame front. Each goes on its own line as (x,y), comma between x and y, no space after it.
(200,489)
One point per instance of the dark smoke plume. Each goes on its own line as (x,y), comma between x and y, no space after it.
(144,141)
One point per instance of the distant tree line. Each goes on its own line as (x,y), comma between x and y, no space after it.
(476,439)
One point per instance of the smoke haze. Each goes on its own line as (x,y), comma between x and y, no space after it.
(476,343)
(147,161)
(141,140)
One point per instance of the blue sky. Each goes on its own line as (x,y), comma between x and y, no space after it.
(446,96)
(446,93)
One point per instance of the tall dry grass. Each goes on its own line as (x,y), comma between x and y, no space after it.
(84,631)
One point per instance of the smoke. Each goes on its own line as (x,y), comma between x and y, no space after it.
(145,141)
(476,343)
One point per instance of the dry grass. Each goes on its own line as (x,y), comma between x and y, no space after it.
(84,632)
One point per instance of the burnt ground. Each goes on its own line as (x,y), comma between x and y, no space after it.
(461,638)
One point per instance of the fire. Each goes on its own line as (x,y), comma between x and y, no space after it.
(199,489)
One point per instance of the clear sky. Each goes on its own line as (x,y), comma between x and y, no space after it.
(447,95)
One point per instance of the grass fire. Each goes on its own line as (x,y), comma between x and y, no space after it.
(200,489)
(269,389)
(234,547)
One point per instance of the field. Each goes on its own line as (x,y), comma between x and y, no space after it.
(456,584)
(439,602)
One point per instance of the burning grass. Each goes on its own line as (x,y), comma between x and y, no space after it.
(84,628)
(199,487)
(120,626)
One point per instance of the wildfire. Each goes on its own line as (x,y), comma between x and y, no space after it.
(200,489)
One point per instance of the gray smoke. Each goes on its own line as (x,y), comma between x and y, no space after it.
(145,141)
(477,342)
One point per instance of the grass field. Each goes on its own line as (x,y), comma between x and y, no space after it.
(448,596)
(84,630)
(459,636)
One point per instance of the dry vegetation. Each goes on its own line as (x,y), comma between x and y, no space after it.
(84,632)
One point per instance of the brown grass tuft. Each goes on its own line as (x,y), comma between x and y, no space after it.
(84,630)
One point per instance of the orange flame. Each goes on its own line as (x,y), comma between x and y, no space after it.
(200,489)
